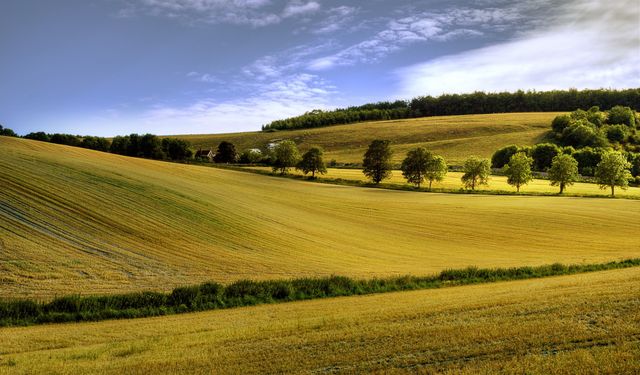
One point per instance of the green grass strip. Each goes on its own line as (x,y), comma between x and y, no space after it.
(211,295)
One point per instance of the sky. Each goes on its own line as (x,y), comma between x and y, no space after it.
(109,67)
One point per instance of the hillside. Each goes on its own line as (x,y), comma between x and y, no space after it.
(80,221)
(454,137)
(571,324)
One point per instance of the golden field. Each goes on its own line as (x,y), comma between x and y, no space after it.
(454,137)
(585,323)
(496,183)
(79,221)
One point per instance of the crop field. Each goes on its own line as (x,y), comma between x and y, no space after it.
(570,324)
(452,182)
(454,137)
(80,221)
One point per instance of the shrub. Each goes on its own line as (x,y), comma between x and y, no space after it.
(543,154)
(501,157)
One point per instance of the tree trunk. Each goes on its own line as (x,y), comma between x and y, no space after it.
(612,191)
(430,181)
(313,174)
(561,187)
(517,188)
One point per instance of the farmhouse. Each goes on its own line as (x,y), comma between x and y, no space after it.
(205,154)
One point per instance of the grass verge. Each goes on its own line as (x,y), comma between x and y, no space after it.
(211,295)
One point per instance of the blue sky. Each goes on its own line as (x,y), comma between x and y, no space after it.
(107,67)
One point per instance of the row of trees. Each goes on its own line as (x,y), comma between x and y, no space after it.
(462,104)
(151,146)
(137,145)
(419,165)
(577,134)
(7,132)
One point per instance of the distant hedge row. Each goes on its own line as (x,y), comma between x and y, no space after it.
(209,296)
(464,104)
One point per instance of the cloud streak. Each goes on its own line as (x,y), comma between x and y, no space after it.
(421,27)
(588,45)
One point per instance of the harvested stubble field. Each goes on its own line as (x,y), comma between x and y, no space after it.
(452,182)
(79,221)
(585,323)
(454,137)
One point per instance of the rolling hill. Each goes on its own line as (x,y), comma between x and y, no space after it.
(454,137)
(80,221)
(570,324)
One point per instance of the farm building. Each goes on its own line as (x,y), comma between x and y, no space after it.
(205,154)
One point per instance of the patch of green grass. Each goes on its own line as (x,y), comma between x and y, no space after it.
(210,296)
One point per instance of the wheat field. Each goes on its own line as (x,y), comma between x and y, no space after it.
(454,137)
(585,323)
(80,221)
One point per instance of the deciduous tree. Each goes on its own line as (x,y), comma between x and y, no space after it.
(377,161)
(312,162)
(612,171)
(476,172)
(414,165)
(226,153)
(563,171)
(518,170)
(436,169)
(285,156)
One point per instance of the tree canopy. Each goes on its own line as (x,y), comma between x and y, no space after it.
(377,161)
(518,170)
(312,162)
(7,132)
(475,172)
(612,171)
(471,103)
(563,171)
(285,156)
(226,153)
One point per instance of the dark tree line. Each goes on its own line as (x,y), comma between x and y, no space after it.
(7,132)
(148,146)
(464,104)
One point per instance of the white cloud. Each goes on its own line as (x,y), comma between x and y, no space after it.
(589,44)
(283,96)
(256,13)
(204,77)
(421,27)
(298,8)
(337,19)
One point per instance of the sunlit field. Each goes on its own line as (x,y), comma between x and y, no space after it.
(452,182)
(454,137)
(584,323)
(79,221)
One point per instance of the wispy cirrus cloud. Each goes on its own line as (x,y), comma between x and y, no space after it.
(586,44)
(422,27)
(256,13)
(336,19)
(297,8)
